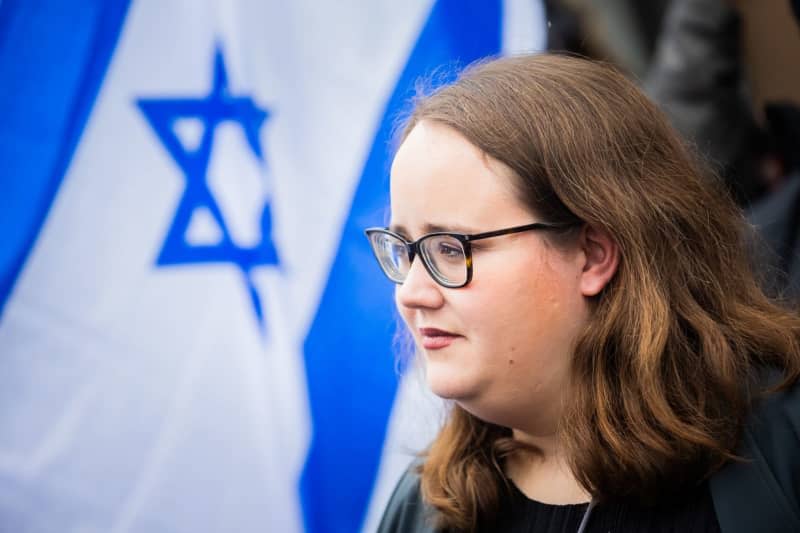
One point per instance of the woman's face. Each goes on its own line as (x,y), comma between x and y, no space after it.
(501,346)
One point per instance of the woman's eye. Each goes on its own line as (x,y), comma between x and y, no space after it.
(450,251)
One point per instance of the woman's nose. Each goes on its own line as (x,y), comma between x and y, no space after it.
(419,289)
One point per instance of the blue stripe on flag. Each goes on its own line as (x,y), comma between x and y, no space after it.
(53,57)
(351,382)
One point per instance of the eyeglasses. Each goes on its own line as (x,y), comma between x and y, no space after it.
(447,256)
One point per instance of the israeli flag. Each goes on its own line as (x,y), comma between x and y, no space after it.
(194,336)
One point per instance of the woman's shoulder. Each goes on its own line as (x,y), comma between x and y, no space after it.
(762,493)
(406,512)
(773,433)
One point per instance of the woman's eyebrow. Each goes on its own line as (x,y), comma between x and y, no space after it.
(433,228)
(397,228)
(451,228)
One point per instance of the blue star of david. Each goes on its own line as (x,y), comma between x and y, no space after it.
(219,106)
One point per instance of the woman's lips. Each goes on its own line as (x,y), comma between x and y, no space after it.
(436,339)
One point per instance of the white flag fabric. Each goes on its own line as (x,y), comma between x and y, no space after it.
(193,333)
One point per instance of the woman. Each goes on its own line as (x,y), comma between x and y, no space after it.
(576,285)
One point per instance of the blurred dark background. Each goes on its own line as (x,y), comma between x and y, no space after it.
(727,73)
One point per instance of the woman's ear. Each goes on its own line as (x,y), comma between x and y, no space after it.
(602,259)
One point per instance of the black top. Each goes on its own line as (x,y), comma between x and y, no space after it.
(694,514)
(407,513)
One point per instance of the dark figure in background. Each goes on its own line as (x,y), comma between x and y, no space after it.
(711,74)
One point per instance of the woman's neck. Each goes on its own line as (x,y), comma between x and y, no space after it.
(544,476)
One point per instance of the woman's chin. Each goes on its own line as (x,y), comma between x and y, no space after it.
(450,384)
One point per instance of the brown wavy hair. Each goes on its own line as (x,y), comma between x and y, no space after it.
(662,375)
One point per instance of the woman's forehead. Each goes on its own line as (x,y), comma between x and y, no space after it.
(432,147)
(439,178)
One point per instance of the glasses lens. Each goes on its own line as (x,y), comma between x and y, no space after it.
(446,257)
(392,255)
